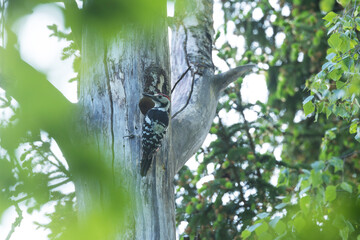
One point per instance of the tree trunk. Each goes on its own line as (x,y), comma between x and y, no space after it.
(116,70)
(115,73)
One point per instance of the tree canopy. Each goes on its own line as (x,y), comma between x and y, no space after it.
(308,51)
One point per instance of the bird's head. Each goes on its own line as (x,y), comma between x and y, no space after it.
(160,100)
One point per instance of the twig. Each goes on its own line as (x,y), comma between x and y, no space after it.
(353,10)
(188,100)
(247,132)
(181,77)
(59,166)
(50,188)
(16,223)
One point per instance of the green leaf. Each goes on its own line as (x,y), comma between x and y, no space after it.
(316,179)
(333,28)
(308,108)
(189,209)
(335,41)
(280,227)
(347,187)
(280,206)
(340,84)
(330,193)
(309,98)
(337,163)
(345,44)
(225,164)
(263,215)
(299,223)
(357,20)
(343,3)
(344,233)
(353,128)
(328,65)
(341,111)
(318,165)
(305,204)
(328,112)
(326,5)
(275,220)
(245,234)
(253,227)
(336,74)
(337,94)
(228,185)
(262,228)
(203,188)
(349,225)
(330,16)
(304,190)
(347,63)
(266,236)
(213,130)
(199,206)
(232,96)
(357,136)
(330,56)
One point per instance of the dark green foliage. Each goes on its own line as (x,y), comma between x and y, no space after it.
(317,189)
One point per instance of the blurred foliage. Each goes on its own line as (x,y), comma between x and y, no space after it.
(335,89)
(308,51)
(34,174)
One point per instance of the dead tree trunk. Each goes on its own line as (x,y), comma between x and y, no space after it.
(195,98)
(116,70)
(115,73)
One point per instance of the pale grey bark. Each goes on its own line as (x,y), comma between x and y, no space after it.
(200,89)
(115,72)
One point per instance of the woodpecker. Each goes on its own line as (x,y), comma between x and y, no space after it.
(154,128)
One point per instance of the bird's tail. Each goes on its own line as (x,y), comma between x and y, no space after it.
(145,164)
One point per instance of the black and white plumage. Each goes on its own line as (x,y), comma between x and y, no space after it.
(154,128)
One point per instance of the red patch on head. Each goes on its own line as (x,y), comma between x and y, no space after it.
(165,96)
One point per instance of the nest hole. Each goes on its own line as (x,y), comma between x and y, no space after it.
(146,104)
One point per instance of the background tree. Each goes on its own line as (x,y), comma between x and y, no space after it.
(311,63)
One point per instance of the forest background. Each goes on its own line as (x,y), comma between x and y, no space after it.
(289,166)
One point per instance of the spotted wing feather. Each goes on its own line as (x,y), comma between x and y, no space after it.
(154,128)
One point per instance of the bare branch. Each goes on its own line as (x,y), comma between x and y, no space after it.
(192,124)
(224,79)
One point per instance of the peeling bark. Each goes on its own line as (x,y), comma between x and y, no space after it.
(195,98)
(115,73)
